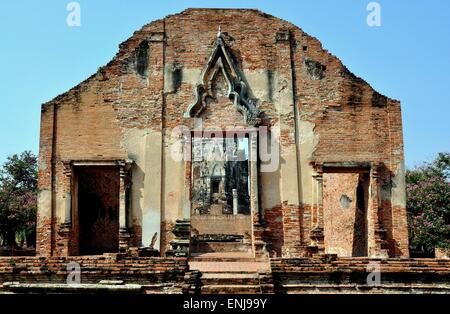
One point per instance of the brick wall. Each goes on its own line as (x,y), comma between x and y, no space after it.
(344,275)
(142,270)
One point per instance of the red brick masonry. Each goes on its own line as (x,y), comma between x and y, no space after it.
(296,275)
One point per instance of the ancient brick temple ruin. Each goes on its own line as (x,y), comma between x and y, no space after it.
(313,171)
(108,179)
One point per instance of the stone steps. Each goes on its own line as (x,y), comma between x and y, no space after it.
(235,283)
(211,246)
(230,279)
(223,256)
(229,266)
(231,289)
(231,273)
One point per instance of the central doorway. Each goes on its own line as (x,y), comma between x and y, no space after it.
(220,197)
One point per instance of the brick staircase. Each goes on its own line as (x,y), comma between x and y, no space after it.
(210,247)
(219,243)
(231,273)
(230,283)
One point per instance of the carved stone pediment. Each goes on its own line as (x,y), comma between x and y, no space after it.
(221,77)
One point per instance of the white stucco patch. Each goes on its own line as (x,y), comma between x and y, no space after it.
(308,141)
(151,224)
(398,186)
(289,189)
(144,148)
(270,190)
(173,187)
(44,203)
(190,76)
(258,82)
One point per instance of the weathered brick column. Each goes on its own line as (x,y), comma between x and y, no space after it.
(45,200)
(375,234)
(67,194)
(317,232)
(65,228)
(289,171)
(259,245)
(186,151)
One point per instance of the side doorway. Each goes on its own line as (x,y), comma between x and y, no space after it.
(97,209)
(345,206)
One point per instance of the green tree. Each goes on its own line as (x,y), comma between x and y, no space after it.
(18,198)
(428,204)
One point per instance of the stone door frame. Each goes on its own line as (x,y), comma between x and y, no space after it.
(375,231)
(66,230)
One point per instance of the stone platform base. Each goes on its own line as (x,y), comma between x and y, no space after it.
(98,274)
(232,273)
(360,275)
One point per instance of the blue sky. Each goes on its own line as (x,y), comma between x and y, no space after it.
(406,58)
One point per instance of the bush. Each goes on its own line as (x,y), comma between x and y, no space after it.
(428,204)
(18,199)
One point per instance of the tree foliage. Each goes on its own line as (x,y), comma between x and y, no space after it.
(428,204)
(18,198)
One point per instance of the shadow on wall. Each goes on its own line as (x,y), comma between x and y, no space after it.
(134,205)
(345,203)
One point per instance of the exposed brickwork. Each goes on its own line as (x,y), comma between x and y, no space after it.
(166,235)
(136,235)
(399,240)
(291,229)
(167,275)
(275,234)
(44,233)
(324,274)
(346,275)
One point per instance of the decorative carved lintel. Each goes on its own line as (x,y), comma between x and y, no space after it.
(220,61)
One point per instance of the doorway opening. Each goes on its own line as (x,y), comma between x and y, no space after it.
(345,204)
(98,209)
(220,212)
